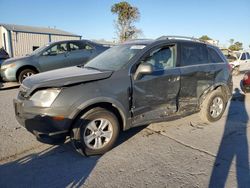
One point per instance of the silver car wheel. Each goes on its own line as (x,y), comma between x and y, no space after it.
(98,133)
(217,107)
(27,75)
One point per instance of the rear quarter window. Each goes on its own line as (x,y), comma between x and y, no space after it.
(248,55)
(193,54)
(213,56)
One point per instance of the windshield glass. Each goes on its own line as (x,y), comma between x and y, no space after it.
(38,50)
(114,58)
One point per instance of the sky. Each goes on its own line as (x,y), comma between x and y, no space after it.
(92,19)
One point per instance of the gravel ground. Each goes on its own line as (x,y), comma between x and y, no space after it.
(181,153)
(14,138)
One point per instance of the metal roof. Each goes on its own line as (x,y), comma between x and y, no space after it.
(40,30)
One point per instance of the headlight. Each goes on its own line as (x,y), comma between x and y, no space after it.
(8,66)
(44,98)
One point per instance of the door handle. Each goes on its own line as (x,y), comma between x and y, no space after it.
(66,54)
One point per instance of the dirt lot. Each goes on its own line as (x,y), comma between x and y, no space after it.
(182,153)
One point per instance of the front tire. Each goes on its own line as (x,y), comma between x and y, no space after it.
(213,106)
(24,74)
(95,132)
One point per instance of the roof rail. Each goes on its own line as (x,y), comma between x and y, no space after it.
(179,37)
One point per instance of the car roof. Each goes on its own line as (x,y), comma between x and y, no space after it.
(139,42)
(82,40)
(159,40)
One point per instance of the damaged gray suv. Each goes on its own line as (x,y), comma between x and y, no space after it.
(132,84)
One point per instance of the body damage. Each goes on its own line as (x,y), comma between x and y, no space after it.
(163,95)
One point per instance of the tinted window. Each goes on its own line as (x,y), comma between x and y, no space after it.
(35,47)
(162,58)
(243,57)
(214,56)
(193,54)
(79,46)
(248,55)
(57,49)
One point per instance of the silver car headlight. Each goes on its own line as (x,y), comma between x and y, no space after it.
(3,67)
(44,98)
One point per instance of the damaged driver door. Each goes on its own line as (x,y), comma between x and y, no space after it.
(156,84)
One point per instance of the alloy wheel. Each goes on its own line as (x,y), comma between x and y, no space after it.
(98,133)
(217,107)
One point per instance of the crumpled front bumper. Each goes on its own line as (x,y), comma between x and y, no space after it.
(46,128)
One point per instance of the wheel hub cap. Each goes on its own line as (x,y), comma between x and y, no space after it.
(217,107)
(98,133)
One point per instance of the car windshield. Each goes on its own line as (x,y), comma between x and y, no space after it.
(38,50)
(114,58)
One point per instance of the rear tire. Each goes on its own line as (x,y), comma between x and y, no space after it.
(213,106)
(95,132)
(24,74)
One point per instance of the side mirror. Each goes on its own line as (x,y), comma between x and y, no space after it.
(89,49)
(143,69)
(46,53)
(49,53)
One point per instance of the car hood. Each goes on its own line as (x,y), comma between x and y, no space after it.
(64,77)
(15,59)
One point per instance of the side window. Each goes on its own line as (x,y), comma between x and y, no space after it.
(193,54)
(57,49)
(34,48)
(248,55)
(79,46)
(88,47)
(243,56)
(162,58)
(214,56)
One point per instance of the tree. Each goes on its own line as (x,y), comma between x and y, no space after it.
(205,38)
(231,41)
(127,15)
(236,46)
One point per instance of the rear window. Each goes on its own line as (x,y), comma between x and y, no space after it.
(194,54)
(213,56)
(79,46)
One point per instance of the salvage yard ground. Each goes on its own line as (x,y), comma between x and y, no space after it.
(181,153)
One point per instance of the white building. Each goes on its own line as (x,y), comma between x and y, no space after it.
(19,40)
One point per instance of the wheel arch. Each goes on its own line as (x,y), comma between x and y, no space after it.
(20,69)
(110,105)
(224,88)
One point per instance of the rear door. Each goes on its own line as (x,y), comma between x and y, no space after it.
(155,95)
(55,57)
(197,74)
(79,53)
